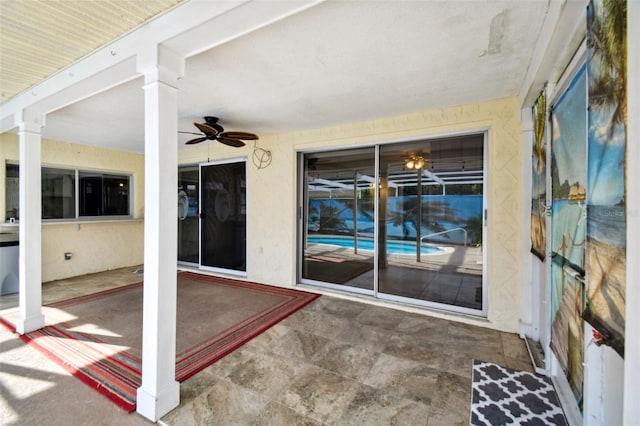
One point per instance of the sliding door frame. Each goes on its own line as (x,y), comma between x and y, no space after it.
(303,212)
(485,202)
(185,262)
(214,269)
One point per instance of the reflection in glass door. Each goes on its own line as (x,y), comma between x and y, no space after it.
(431,221)
(339,229)
(223,215)
(188,224)
(416,238)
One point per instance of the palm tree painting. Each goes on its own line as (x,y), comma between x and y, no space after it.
(538,181)
(606,205)
(568,177)
(569,172)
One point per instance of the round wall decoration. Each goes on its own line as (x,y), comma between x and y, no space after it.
(222,205)
(183,205)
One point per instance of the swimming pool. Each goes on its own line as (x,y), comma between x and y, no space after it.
(393,247)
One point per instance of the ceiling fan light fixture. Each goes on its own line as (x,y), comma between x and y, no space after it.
(415,162)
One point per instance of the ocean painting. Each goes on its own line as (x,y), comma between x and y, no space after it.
(606,200)
(569,173)
(539,178)
(568,228)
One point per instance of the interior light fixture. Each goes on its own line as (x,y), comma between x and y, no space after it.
(415,162)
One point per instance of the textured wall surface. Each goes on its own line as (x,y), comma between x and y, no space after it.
(272,198)
(95,245)
(272,193)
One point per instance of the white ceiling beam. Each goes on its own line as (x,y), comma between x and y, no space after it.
(370,179)
(182,30)
(461,172)
(241,20)
(318,188)
(432,176)
(330,183)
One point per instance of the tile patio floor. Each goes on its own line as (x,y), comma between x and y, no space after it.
(333,362)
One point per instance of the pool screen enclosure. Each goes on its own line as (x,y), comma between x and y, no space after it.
(401,221)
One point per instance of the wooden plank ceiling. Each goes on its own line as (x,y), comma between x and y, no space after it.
(40,37)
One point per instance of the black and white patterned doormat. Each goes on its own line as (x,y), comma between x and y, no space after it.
(502,396)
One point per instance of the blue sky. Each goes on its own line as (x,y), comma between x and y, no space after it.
(569,132)
(606,160)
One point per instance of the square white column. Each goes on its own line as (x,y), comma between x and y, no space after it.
(30,253)
(160,392)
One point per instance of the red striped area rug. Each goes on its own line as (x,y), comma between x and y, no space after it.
(98,337)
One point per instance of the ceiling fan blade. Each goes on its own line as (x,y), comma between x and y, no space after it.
(239,135)
(208,131)
(236,143)
(189,133)
(195,141)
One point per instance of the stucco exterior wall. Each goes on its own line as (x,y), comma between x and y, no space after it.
(272,193)
(272,199)
(95,245)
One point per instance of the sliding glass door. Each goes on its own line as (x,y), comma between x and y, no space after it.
(431,221)
(212,216)
(339,227)
(400,221)
(188,223)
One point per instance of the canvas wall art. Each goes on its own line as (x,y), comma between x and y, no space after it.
(569,173)
(567,326)
(539,178)
(606,226)
(568,229)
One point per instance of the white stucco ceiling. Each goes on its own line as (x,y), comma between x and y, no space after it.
(332,63)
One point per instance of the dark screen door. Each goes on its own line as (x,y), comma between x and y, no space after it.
(223,216)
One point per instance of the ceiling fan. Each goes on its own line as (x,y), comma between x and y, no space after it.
(211,130)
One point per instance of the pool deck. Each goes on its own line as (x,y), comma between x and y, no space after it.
(456,258)
(453,277)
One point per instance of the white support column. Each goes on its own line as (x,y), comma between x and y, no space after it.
(530,300)
(30,264)
(544,268)
(160,392)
